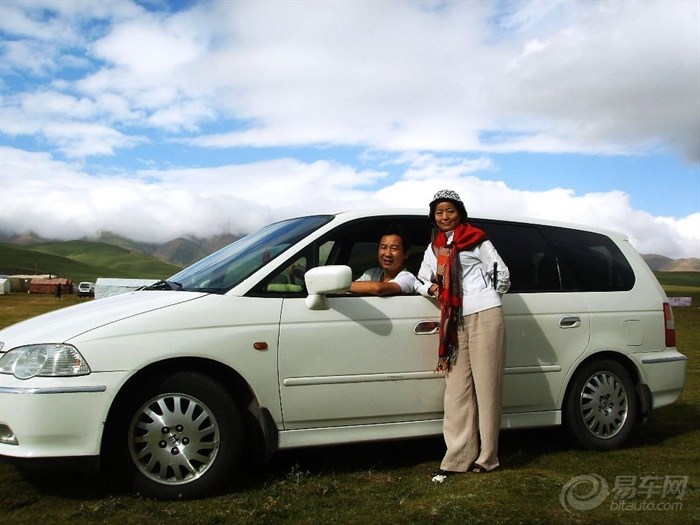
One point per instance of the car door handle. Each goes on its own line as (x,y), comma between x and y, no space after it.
(426,328)
(570,321)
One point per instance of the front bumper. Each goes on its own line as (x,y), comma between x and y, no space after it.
(72,463)
(55,417)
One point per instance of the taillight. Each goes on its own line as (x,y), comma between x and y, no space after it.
(669,326)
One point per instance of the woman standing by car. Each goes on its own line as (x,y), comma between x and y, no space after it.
(463,271)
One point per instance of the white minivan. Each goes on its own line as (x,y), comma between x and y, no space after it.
(259,347)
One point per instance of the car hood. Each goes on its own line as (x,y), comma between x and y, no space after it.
(62,325)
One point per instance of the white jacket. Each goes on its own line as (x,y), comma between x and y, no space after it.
(478,290)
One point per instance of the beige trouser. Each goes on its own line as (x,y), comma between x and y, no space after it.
(473,394)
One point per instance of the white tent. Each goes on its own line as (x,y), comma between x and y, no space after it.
(4,286)
(108,286)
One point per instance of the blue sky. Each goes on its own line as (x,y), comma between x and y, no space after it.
(157,119)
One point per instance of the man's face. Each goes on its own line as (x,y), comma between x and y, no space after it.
(391,254)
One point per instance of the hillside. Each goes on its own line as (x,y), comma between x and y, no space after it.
(81,261)
(659,263)
(18,260)
(108,237)
(179,252)
(182,251)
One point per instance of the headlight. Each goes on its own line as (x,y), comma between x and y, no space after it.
(55,360)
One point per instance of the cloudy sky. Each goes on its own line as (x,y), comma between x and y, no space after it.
(155,119)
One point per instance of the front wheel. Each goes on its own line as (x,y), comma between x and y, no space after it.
(601,407)
(183,436)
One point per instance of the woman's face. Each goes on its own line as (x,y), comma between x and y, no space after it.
(447,216)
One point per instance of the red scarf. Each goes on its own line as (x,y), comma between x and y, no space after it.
(449,281)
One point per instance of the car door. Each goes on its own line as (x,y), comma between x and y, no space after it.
(364,360)
(545,334)
(547,324)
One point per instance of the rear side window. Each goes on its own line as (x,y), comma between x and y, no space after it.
(530,260)
(592,261)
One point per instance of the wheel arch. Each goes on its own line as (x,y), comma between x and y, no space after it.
(260,430)
(630,367)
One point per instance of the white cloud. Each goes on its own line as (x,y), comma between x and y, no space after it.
(32,56)
(588,77)
(159,205)
(73,124)
(399,81)
(622,77)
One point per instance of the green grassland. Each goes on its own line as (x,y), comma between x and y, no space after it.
(81,261)
(387,483)
(681,284)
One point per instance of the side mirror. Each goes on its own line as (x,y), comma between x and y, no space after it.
(323,280)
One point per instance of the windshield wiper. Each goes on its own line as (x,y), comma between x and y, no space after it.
(163,285)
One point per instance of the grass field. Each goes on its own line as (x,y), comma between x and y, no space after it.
(390,483)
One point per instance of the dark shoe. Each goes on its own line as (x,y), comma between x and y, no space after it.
(478,469)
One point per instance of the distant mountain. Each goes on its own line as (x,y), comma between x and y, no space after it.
(107,255)
(686,265)
(21,238)
(181,252)
(184,251)
(108,237)
(659,263)
(212,244)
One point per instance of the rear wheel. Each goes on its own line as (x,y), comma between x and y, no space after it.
(182,437)
(601,407)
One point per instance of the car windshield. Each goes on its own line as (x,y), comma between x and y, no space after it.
(224,269)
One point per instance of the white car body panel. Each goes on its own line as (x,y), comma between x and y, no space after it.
(57,417)
(539,350)
(360,361)
(66,323)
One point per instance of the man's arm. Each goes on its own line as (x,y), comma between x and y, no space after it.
(375,287)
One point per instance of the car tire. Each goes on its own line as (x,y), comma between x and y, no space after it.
(601,406)
(182,437)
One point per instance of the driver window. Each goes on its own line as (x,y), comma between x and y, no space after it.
(354,245)
(362,257)
(290,278)
(324,252)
